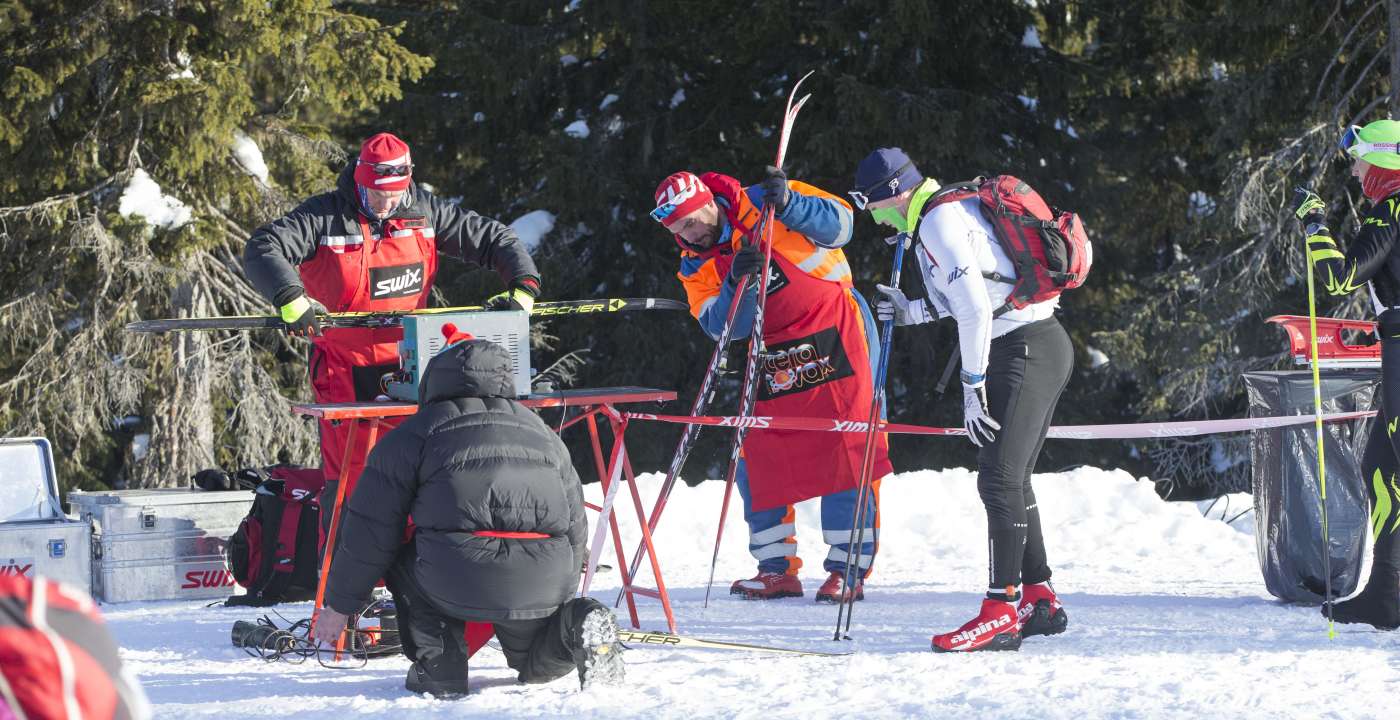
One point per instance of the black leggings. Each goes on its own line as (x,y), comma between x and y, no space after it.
(1380,463)
(1026,373)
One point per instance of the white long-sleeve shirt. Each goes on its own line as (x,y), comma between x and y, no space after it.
(954,245)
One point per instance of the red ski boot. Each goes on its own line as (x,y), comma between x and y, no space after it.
(995,628)
(1040,611)
(767,586)
(832,591)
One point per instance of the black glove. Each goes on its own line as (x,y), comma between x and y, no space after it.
(775,189)
(250,477)
(300,314)
(212,479)
(1310,209)
(746,262)
(520,296)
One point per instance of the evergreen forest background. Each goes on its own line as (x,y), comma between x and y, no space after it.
(1176,128)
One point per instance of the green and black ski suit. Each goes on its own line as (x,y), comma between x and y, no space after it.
(1373,258)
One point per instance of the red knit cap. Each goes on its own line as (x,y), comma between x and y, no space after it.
(383,150)
(679,195)
(453,335)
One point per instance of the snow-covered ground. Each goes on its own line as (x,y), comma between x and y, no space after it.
(1168,618)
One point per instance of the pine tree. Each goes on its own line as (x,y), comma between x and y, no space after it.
(103,100)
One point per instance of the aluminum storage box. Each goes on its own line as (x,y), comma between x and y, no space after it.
(35,536)
(57,549)
(161,544)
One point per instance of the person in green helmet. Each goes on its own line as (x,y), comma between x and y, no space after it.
(1371,259)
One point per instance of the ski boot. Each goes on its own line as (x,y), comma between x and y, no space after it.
(593,640)
(995,628)
(1378,605)
(767,586)
(1040,611)
(834,591)
(439,677)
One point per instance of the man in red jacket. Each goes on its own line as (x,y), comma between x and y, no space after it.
(372,245)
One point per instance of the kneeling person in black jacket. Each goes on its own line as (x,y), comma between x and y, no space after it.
(499,537)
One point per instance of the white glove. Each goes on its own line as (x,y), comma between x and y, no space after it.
(976,419)
(893,306)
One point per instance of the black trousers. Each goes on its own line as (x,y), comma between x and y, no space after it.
(539,650)
(1028,370)
(1380,462)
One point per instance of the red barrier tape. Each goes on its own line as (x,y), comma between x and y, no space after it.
(1128,431)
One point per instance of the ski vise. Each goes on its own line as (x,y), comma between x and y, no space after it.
(1333,350)
(423,339)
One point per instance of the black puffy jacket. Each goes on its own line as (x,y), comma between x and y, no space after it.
(470,460)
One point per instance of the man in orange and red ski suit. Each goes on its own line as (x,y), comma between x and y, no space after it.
(821,346)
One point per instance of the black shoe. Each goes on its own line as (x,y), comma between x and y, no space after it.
(593,640)
(440,679)
(1378,605)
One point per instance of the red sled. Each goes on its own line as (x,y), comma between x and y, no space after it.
(1333,349)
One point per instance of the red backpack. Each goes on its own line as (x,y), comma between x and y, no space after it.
(1048,246)
(276,552)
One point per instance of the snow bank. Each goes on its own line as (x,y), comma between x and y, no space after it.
(143,197)
(1168,618)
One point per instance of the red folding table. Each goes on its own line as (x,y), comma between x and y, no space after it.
(591,403)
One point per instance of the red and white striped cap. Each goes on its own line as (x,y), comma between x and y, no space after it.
(384,164)
(679,195)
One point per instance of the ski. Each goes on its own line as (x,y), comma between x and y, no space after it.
(395,318)
(756,346)
(662,639)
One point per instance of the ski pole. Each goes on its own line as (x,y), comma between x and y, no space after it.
(692,430)
(1321,459)
(856,542)
(746,399)
(756,346)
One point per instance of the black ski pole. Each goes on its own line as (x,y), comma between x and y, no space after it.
(867,463)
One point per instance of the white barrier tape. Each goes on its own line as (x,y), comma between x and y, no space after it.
(1126,431)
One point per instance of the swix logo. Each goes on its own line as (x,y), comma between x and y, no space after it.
(746,422)
(777,279)
(804,363)
(1065,434)
(849,426)
(957,273)
(970,635)
(299,494)
(1172,431)
(206,579)
(396,281)
(17,567)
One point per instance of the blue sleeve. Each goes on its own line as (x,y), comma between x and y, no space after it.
(713,317)
(822,220)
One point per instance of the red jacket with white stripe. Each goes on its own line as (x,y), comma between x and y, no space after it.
(57,660)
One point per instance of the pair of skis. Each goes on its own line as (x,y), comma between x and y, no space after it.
(395,318)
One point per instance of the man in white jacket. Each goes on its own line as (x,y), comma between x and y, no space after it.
(1015,364)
